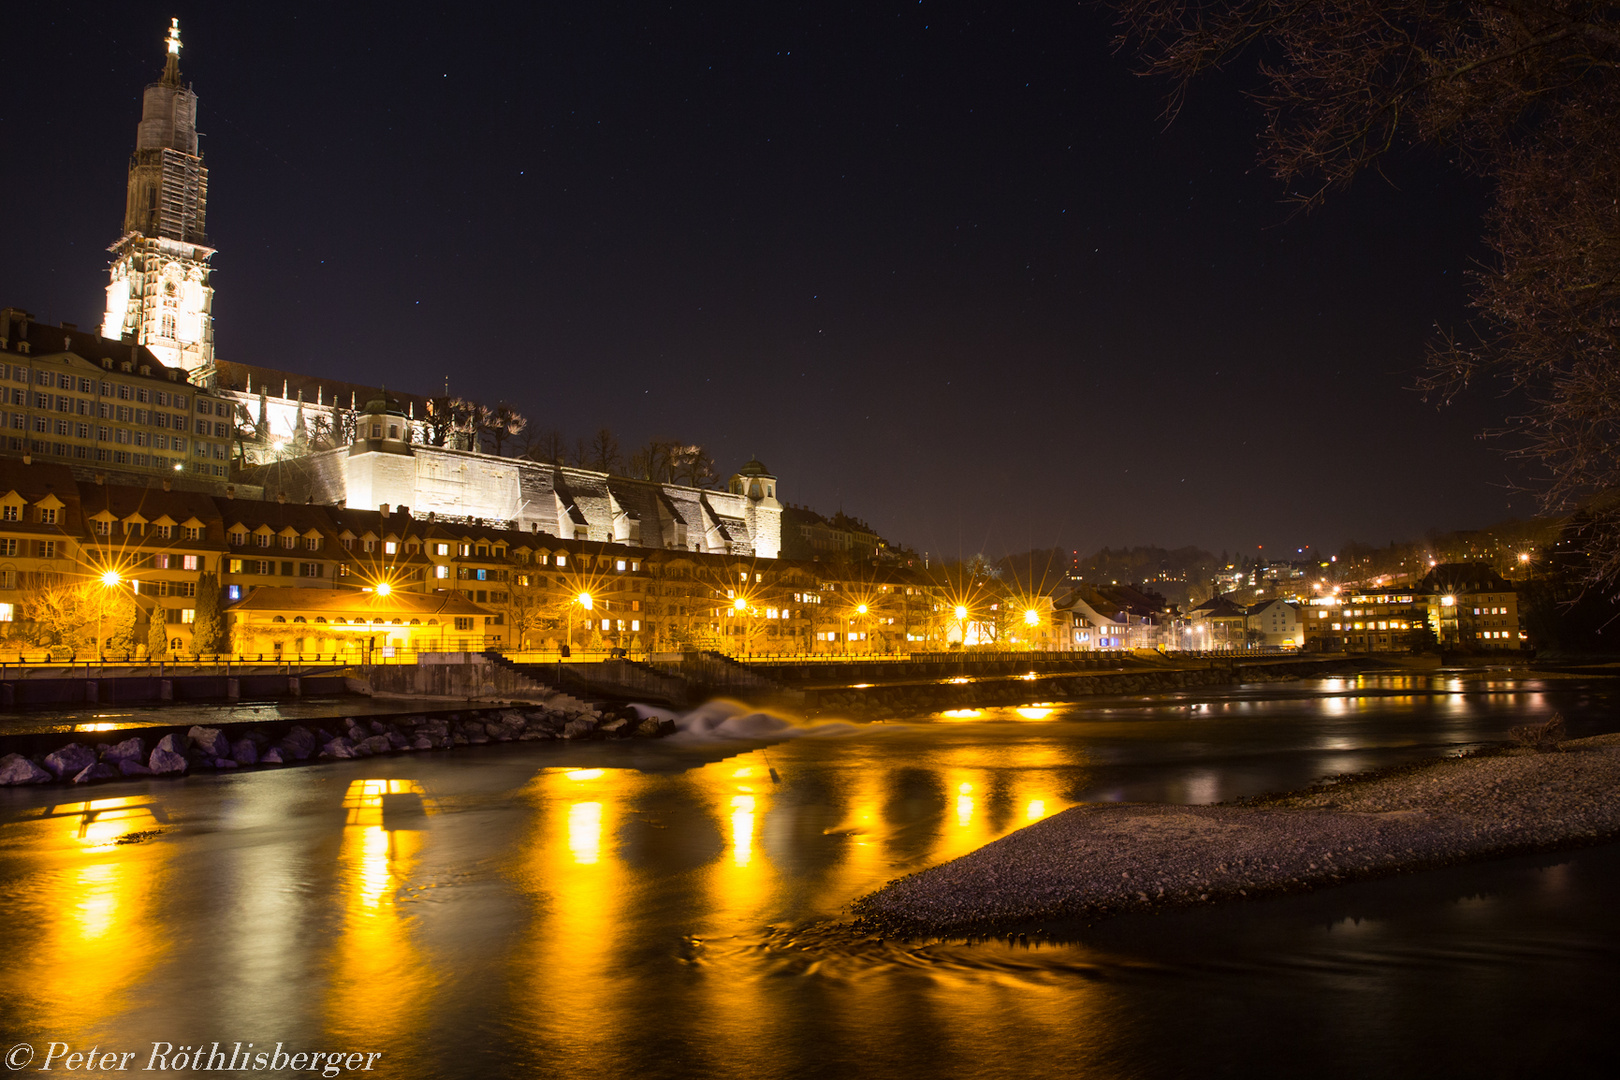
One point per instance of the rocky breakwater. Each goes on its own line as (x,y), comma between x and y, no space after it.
(1100,860)
(205,749)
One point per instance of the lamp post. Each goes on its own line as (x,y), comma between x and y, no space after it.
(110,580)
(1032,619)
(583,600)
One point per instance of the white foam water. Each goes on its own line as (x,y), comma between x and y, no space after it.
(718,721)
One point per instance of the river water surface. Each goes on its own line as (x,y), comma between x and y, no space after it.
(650,910)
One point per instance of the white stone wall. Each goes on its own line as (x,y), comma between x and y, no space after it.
(454,483)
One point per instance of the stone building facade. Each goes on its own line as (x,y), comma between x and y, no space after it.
(382,468)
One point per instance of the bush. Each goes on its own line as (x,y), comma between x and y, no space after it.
(1543,737)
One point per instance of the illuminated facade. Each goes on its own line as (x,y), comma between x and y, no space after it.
(106,407)
(158,293)
(383,467)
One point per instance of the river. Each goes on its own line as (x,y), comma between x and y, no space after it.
(655,909)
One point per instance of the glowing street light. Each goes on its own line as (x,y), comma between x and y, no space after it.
(739,605)
(110,580)
(383,588)
(585,601)
(1031,617)
(961,612)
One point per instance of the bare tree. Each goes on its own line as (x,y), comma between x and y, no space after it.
(693,467)
(502,424)
(603,451)
(440,420)
(1522,92)
(545,445)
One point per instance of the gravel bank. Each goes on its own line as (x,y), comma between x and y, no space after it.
(1097,860)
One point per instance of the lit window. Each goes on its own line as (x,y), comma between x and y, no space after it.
(390,547)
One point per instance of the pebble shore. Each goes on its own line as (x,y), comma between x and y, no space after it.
(1098,860)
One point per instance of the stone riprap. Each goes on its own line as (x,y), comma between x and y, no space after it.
(1098,860)
(210,749)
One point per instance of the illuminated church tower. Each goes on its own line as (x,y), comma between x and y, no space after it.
(159,289)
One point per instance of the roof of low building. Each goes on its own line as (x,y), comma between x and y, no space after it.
(352,603)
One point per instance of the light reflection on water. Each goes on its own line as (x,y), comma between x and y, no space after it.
(541,909)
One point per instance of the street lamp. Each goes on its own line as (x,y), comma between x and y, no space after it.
(860,610)
(110,580)
(583,600)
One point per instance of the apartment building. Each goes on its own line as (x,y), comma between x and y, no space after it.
(107,407)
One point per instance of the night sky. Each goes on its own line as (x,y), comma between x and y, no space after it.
(941,266)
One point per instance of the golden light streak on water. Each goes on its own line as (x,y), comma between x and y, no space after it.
(742,829)
(585,832)
(379,982)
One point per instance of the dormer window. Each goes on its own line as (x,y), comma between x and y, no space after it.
(47,515)
(376,431)
(289,541)
(261,539)
(390,547)
(9,513)
(193,532)
(164,532)
(369,545)
(312,543)
(133,528)
(238,539)
(348,543)
(104,528)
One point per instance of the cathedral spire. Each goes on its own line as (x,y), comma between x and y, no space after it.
(171,68)
(158,290)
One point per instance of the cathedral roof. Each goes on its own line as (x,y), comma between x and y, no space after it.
(252,379)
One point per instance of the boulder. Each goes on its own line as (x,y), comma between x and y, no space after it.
(648,728)
(129,750)
(579,729)
(101,770)
(378,744)
(165,761)
(69,761)
(614,727)
(16,770)
(224,763)
(300,738)
(397,740)
(244,752)
(337,748)
(271,756)
(132,768)
(422,742)
(211,742)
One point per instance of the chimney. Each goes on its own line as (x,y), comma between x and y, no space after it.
(384,509)
(281,496)
(28,459)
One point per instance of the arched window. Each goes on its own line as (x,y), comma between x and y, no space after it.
(322,618)
(279,618)
(299,618)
